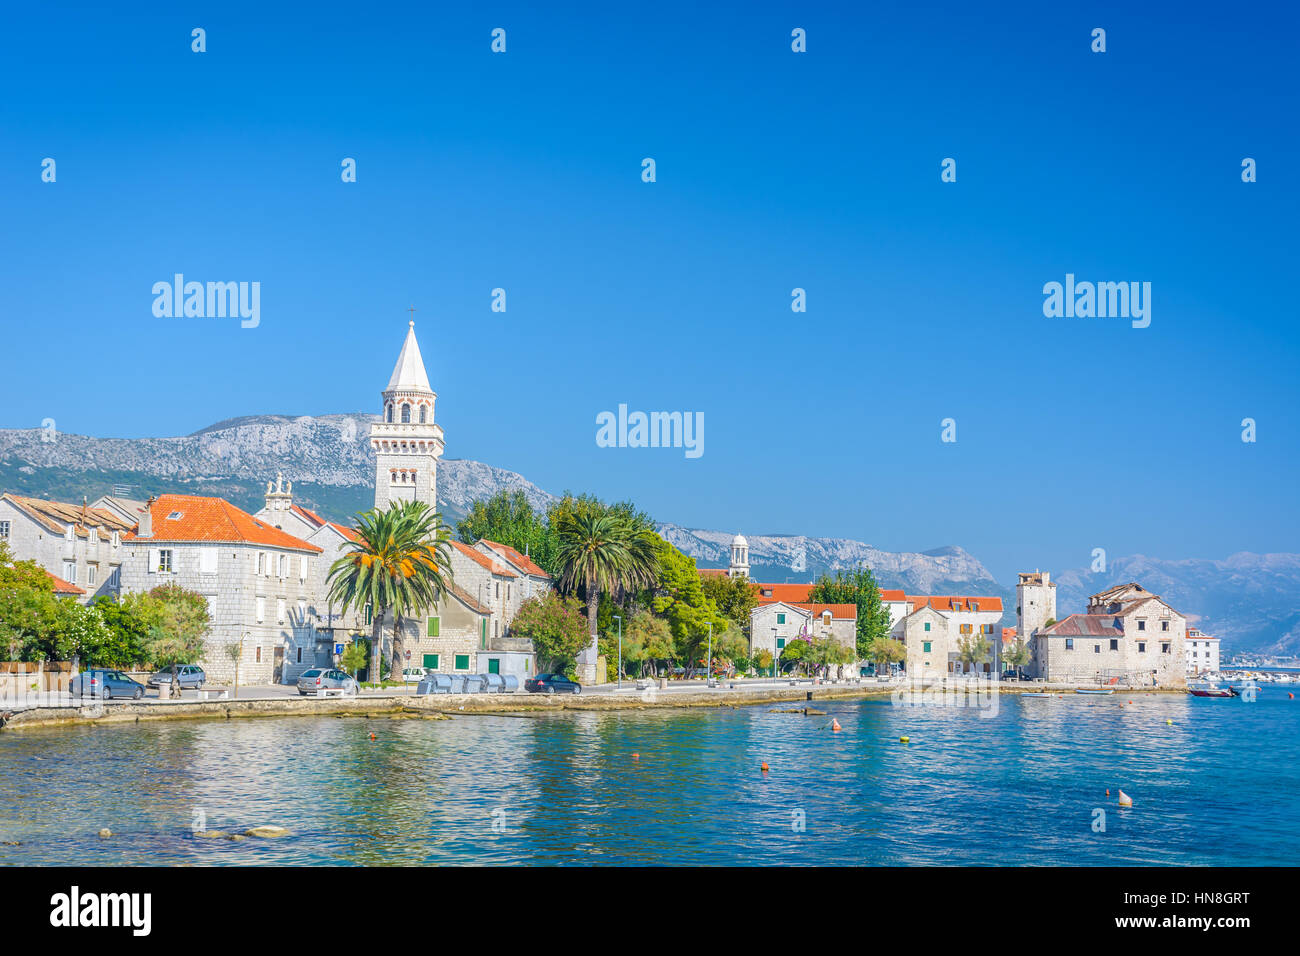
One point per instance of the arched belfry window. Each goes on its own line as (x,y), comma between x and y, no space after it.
(388,412)
(406,413)
(424,410)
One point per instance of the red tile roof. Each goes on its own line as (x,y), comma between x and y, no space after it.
(478,557)
(64,587)
(1085,625)
(349,533)
(943,602)
(892,594)
(845,612)
(713,572)
(522,561)
(790,593)
(1008,635)
(213,519)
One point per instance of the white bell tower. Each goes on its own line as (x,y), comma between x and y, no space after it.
(739,567)
(406,442)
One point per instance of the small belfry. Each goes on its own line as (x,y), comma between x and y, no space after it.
(406,442)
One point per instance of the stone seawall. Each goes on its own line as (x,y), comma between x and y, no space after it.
(438,706)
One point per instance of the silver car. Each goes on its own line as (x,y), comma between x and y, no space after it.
(189,676)
(322,681)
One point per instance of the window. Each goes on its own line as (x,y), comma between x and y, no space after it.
(1165,647)
(406,416)
(370,615)
(1096,648)
(261,609)
(299,661)
(92,572)
(388,413)
(965,629)
(70,533)
(207,560)
(93,538)
(303,567)
(780,619)
(434,627)
(1142,647)
(165,561)
(279,610)
(70,571)
(1069,643)
(281,565)
(116,539)
(462,662)
(431,662)
(258,656)
(4,530)
(925,647)
(1142,625)
(780,643)
(115,576)
(1164,625)
(498,589)
(423,412)
(1114,644)
(261,562)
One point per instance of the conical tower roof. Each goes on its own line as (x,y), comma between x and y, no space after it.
(409,372)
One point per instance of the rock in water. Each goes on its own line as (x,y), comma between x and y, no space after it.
(105,833)
(267,832)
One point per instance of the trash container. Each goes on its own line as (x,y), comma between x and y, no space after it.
(457,683)
(434,684)
(493,683)
(663,683)
(511,684)
(474,683)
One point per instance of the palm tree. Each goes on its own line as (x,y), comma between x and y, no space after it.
(400,561)
(603,551)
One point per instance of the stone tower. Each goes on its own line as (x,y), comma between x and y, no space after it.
(1035,606)
(406,442)
(739,567)
(278,500)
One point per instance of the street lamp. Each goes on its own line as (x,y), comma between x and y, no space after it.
(775,657)
(620,651)
(708,667)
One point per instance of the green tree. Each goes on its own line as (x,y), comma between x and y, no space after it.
(176,621)
(603,551)
(680,599)
(762,659)
(887,651)
(399,561)
(127,645)
(973,649)
(1017,656)
(857,587)
(354,656)
(509,519)
(735,598)
(556,627)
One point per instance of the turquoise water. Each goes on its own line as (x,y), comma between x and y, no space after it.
(1219,786)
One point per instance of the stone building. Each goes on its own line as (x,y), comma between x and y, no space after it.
(79,544)
(773,625)
(261,582)
(937,627)
(1127,636)
(1035,607)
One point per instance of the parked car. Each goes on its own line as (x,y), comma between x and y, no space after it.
(189,676)
(320,681)
(101,682)
(552,684)
(413,675)
(1010,675)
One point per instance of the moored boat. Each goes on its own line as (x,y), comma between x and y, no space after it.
(1097,691)
(1211,692)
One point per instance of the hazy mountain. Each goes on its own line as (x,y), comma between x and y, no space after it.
(1251,601)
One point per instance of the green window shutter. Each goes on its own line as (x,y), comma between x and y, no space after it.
(494,665)
(926,646)
(434,626)
(780,618)
(431,661)
(780,643)
(927,625)
(462,662)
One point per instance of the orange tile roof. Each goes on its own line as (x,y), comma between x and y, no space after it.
(712,572)
(842,611)
(943,602)
(1008,635)
(64,587)
(893,594)
(514,557)
(790,593)
(478,557)
(213,519)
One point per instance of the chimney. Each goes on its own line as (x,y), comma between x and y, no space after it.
(145,528)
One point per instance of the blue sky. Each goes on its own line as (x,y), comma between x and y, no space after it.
(775,170)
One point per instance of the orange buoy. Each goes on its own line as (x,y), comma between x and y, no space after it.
(835,725)
(764,766)
(372,736)
(635,755)
(1108,791)
(1125,800)
(1291,696)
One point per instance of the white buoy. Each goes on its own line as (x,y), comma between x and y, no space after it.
(1125,800)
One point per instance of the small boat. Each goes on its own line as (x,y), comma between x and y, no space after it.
(1098,691)
(1211,692)
(1037,694)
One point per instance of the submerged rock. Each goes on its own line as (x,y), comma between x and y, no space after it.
(105,833)
(267,832)
(212,835)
